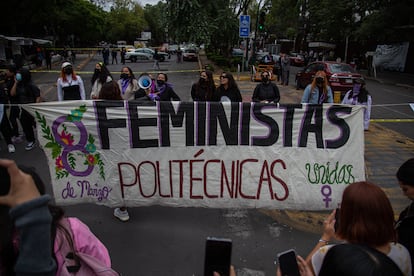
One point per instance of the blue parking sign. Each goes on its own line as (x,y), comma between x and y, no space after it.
(244,26)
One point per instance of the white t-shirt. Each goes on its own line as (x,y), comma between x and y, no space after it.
(398,253)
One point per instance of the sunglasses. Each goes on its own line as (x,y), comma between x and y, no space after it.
(224,77)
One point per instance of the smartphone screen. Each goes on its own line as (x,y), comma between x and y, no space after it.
(288,263)
(217,256)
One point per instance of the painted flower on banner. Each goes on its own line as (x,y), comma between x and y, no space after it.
(73,149)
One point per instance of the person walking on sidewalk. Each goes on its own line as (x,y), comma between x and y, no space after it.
(156,58)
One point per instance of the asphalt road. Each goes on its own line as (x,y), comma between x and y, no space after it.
(170,241)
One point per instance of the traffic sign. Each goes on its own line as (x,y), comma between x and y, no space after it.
(244,26)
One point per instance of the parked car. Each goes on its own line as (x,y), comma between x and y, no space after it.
(162,55)
(136,55)
(341,76)
(190,55)
(237,52)
(296,59)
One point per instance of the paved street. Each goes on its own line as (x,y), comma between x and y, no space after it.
(170,241)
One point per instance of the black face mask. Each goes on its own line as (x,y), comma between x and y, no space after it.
(265,79)
(97,70)
(320,80)
(202,80)
(68,71)
(160,82)
(124,76)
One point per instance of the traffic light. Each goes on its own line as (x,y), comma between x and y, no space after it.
(261,21)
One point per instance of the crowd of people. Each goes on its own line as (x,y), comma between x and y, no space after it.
(365,220)
(362,239)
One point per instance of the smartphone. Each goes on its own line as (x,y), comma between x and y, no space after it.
(336,219)
(4,181)
(288,263)
(217,256)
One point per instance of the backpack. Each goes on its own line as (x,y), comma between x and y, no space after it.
(79,263)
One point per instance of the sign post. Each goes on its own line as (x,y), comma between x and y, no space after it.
(244,31)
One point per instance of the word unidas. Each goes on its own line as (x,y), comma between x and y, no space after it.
(325,174)
(203,120)
(229,183)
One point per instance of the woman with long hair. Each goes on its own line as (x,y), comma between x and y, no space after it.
(127,83)
(228,89)
(365,218)
(359,95)
(83,239)
(204,88)
(319,91)
(69,84)
(100,76)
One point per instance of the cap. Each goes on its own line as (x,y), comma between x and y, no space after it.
(66,64)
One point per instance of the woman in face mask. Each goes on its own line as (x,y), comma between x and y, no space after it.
(127,83)
(69,85)
(204,89)
(164,90)
(100,76)
(359,95)
(267,91)
(319,91)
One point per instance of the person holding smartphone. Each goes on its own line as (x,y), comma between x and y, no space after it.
(366,218)
(31,216)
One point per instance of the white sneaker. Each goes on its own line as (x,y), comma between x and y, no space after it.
(30,146)
(121,215)
(11,148)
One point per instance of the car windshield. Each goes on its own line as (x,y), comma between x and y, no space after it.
(341,68)
(190,51)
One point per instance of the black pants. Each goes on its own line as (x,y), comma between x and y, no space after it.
(6,129)
(28,123)
(14,115)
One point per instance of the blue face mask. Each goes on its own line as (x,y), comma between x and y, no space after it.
(19,77)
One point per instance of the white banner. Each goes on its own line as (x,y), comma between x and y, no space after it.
(220,155)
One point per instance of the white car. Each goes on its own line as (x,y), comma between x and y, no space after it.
(162,55)
(137,54)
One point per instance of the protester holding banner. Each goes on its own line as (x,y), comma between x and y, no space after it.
(100,76)
(366,217)
(83,239)
(228,91)
(164,90)
(359,95)
(127,83)
(267,91)
(319,91)
(110,91)
(405,223)
(204,89)
(69,85)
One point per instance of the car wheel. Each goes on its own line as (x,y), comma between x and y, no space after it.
(134,59)
(162,58)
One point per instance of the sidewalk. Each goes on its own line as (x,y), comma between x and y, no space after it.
(385,151)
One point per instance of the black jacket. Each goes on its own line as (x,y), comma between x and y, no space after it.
(405,229)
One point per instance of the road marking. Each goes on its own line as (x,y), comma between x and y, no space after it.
(392,120)
(116,72)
